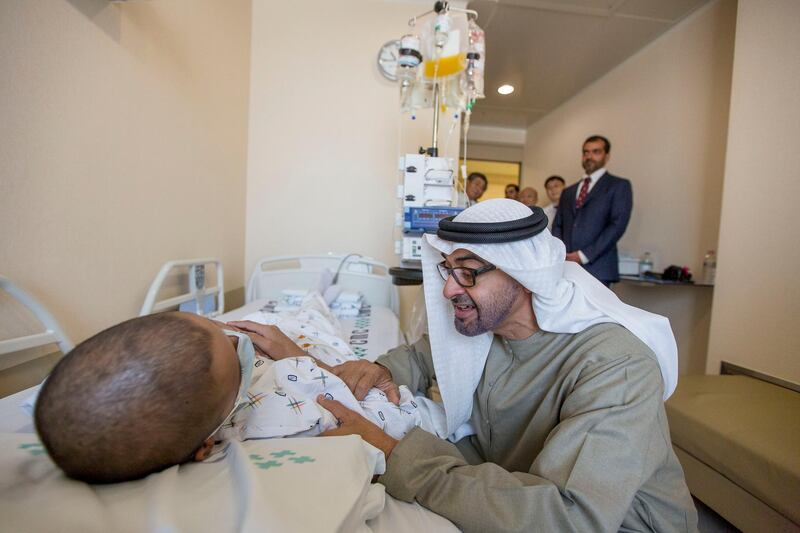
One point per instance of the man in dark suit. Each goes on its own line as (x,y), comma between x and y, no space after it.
(593,213)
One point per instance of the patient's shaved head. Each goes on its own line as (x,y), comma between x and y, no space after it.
(137,398)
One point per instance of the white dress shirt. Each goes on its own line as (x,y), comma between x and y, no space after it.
(550,210)
(596,175)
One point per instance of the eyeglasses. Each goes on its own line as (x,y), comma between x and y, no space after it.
(464,276)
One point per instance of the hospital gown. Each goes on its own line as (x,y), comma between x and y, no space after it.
(571,435)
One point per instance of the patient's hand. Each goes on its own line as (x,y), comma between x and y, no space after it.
(269,339)
(352,423)
(361,376)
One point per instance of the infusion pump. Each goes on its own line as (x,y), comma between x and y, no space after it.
(429,193)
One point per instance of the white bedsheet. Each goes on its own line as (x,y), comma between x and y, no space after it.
(332,493)
(30,497)
(287,485)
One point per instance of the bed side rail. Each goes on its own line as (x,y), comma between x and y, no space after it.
(197,290)
(53,333)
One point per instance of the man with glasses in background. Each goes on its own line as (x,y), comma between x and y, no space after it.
(552,388)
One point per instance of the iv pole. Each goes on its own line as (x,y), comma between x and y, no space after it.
(438,7)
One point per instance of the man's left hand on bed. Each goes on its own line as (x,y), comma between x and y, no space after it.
(352,423)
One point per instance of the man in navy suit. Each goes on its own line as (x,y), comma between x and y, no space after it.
(593,213)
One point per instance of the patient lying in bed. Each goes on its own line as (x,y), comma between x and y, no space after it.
(160,390)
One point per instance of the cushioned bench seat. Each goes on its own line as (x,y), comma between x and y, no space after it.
(745,431)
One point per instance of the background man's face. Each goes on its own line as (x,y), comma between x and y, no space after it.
(475,188)
(528,196)
(511,193)
(594,156)
(554,189)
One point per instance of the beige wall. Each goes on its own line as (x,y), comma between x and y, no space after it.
(495,152)
(757,300)
(123,145)
(325,129)
(665,111)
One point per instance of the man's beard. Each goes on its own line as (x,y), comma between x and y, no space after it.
(491,313)
(590,166)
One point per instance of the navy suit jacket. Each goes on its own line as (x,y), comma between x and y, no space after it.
(595,228)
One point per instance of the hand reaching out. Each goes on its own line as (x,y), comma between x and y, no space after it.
(269,339)
(361,376)
(352,423)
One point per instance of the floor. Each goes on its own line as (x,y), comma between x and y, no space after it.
(711,522)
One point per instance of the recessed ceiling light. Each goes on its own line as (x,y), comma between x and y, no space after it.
(505,89)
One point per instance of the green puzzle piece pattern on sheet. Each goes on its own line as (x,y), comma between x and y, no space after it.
(282,453)
(33,448)
(266,464)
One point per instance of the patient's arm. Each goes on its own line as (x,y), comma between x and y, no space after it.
(272,342)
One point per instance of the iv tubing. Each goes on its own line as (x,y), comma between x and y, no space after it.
(465,121)
(435,119)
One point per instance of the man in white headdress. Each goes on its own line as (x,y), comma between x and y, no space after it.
(557,385)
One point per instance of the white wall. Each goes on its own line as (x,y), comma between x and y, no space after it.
(665,110)
(123,145)
(757,299)
(325,129)
(495,152)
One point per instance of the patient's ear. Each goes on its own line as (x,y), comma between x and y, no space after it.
(202,453)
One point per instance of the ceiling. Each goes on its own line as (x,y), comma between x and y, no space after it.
(551,49)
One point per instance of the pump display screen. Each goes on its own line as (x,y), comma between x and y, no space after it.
(426,219)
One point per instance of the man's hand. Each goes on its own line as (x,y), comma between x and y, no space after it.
(352,423)
(361,376)
(574,257)
(269,339)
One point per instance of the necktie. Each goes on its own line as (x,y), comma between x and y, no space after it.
(583,194)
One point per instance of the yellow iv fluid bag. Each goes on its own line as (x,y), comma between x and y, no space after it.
(448,66)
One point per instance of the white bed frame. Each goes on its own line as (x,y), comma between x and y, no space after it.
(53,334)
(271,275)
(357,273)
(197,289)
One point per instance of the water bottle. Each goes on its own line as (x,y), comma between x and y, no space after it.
(709,267)
(645,264)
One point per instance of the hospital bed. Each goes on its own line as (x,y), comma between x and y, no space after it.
(289,484)
(372,333)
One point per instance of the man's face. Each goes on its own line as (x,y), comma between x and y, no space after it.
(594,156)
(475,188)
(554,188)
(488,304)
(511,193)
(528,196)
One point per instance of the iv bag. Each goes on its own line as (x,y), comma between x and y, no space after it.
(452,59)
(444,45)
